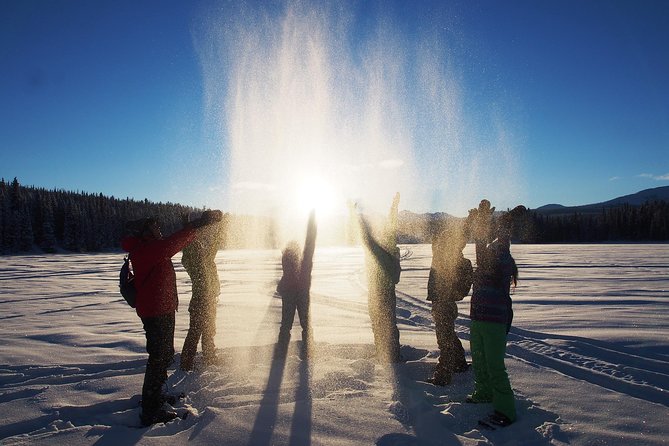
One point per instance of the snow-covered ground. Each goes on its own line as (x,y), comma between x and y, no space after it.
(588,356)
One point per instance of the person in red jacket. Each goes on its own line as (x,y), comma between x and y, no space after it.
(157,301)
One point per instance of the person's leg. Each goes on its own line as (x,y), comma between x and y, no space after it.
(303,312)
(457,361)
(394,331)
(494,340)
(387,327)
(209,333)
(373,308)
(442,373)
(192,338)
(288,307)
(482,388)
(168,351)
(159,333)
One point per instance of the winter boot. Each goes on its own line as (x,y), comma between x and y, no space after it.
(497,419)
(463,367)
(160,416)
(441,377)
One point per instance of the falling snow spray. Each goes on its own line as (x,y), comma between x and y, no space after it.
(315,108)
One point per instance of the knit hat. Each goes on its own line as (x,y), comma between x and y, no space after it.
(137,227)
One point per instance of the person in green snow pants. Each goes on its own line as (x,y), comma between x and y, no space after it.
(491,314)
(488,345)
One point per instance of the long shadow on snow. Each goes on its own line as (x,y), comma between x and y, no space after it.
(263,427)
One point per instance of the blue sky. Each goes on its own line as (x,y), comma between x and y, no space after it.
(549,102)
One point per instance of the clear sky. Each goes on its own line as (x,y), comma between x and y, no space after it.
(206,103)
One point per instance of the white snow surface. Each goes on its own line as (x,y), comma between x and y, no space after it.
(587,356)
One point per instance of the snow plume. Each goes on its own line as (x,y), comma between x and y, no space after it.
(299,91)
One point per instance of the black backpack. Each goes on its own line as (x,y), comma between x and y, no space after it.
(127,283)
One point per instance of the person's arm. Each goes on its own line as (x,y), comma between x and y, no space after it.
(309,245)
(388,261)
(466,277)
(480,220)
(431,285)
(169,246)
(514,272)
(393,213)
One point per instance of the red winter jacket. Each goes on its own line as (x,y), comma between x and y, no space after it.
(155,278)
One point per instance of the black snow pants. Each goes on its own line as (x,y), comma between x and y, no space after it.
(159,333)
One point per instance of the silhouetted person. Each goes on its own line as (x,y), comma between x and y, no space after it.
(295,284)
(157,301)
(199,261)
(491,314)
(383,272)
(450,279)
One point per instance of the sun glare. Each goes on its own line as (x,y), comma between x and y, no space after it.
(316,193)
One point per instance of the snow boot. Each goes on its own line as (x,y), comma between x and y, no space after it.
(461,368)
(473,399)
(161,416)
(440,377)
(496,419)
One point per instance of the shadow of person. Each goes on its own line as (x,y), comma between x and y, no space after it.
(301,424)
(300,428)
(263,427)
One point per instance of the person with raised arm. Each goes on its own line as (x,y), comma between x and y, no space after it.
(491,314)
(198,260)
(383,273)
(157,301)
(450,280)
(295,284)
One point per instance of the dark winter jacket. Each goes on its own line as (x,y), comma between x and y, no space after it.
(450,281)
(199,261)
(155,278)
(491,299)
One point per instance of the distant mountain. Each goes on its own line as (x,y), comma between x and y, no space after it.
(550,207)
(637,199)
(655,194)
(418,228)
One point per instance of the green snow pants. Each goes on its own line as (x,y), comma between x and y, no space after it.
(491,382)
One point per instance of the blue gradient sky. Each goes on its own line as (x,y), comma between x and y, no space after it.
(108,97)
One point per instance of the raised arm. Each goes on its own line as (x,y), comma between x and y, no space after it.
(480,222)
(392,218)
(389,261)
(309,245)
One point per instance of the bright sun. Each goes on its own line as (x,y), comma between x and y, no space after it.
(316,193)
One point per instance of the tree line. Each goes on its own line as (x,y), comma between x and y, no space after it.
(53,220)
(648,222)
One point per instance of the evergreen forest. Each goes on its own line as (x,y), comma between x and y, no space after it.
(35,219)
